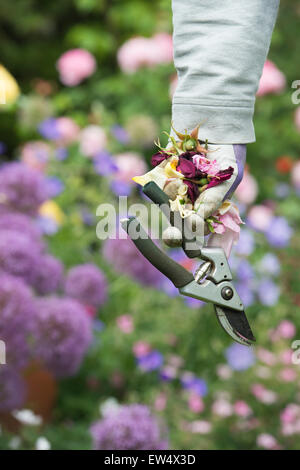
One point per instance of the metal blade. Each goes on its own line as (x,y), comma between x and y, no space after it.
(235,323)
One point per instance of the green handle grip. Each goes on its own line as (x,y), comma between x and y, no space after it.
(172,270)
(159,197)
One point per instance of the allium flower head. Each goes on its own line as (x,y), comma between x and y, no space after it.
(130,427)
(22,188)
(12,389)
(88,284)
(124,258)
(16,319)
(22,224)
(62,331)
(49,275)
(19,255)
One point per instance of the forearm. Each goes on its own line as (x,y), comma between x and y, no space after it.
(219,50)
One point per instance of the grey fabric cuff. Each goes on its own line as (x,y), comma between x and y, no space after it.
(224,123)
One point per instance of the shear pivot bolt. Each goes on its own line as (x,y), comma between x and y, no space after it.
(227,293)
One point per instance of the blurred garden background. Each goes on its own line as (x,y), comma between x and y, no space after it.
(101,352)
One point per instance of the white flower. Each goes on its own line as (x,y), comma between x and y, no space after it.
(109,407)
(28,417)
(42,444)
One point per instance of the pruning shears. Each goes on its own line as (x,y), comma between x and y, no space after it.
(212,281)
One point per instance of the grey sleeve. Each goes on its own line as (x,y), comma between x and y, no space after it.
(219,50)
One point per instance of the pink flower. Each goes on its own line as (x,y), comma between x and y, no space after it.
(224,372)
(36,154)
(272,80)
(200,427)
(267,441)
(129,165)
(247,191)
(242,409)
(263,395)
(260,217)
(92,140)
(290,413)
(75,65)
(211,167)
(286,357)
(266,356)
(68,130)
(288,375)
(125,323)
(297,118)
(139,51)
(286,329)
(160,402)
(141,348)
(195,403)
(227,233)
(222,408)
(295,173)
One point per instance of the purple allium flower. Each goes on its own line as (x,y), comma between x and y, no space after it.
(270,264)
(88,284)
(120,134)
(245,271)
(49,129)
(19,255)
(54,186)
(190,382)
(16,319)
(49,275)
(268,292)
(125,258)
(240,357)
(22,188)
(104,164)
(151,361)
(245,292)
(279,232)
(63,333)
(246,243)
(120,188)
(21,223)
(131,427)
(12,389)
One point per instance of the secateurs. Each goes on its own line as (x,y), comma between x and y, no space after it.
(212,281)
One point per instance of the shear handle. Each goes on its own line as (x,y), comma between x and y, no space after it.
(189,245)
(178,275)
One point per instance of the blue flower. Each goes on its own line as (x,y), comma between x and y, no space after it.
(54,186)
(279,232)
(240,357)
(245,292)
(246,243)
(120,188)
(61,153)
(49,129)
(151,361)
(270,264)
(120,134)
(104,164)
(268,292)
(194,384)
(245,271)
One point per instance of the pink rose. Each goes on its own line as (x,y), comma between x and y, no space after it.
(295,174)
(286,329)
(267,441)
(92,140)
(68,130)
(125,323)
(139,51)
(242,409)
(129,165)
(75,65)
(297,118)
(260,217)
(272,80)
(211,167)
(247,191)
(226,234)
(195,403)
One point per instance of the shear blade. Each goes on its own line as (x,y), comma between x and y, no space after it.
(235,324)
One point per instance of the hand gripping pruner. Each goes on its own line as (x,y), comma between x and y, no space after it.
(212,281)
